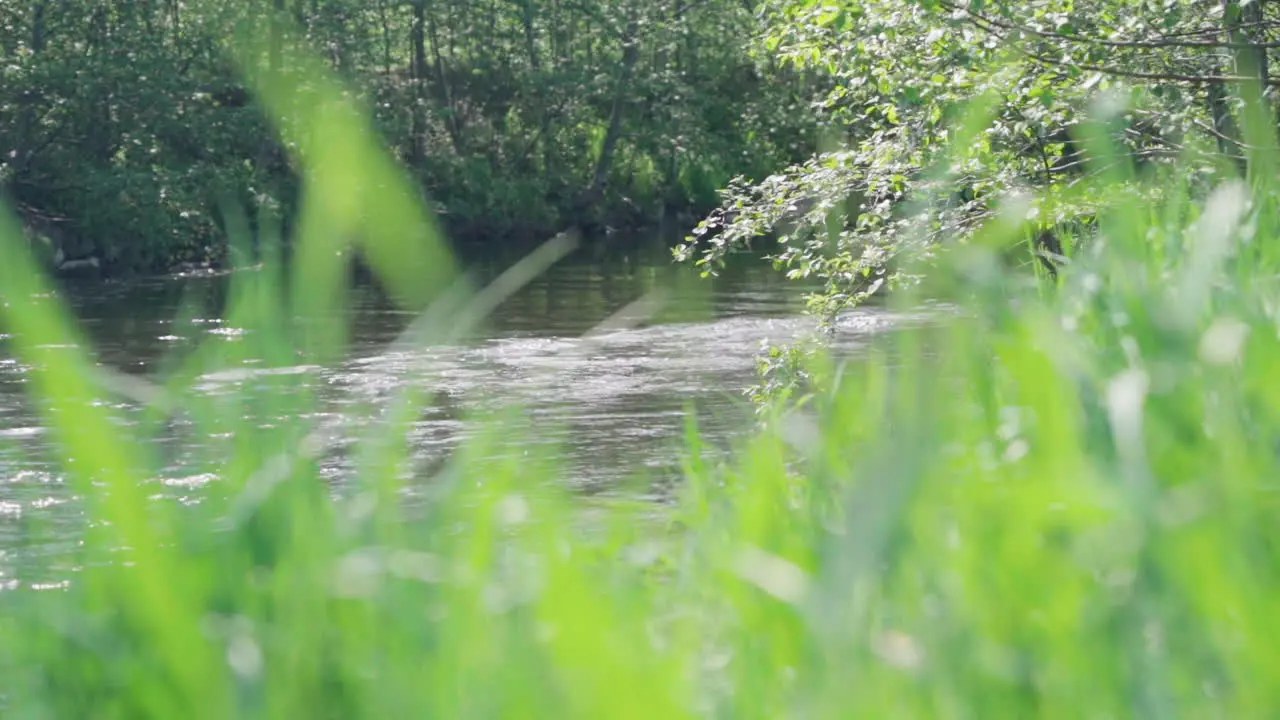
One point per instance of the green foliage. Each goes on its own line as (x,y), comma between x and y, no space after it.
(1167,73)
(786,375)
(1044,504)
(517,117)
(1039,505)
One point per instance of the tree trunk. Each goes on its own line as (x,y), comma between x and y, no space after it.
(385,23)
(630,54)
(537,92)
(451,124)
(1241,22)
(24,140)
(1249,60)
(530,36)
(98,141)
(1224,125)
(418,74)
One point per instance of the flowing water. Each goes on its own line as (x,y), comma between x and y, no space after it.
(614,403)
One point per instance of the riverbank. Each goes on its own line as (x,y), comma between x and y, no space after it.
(65,250)
(1058,500)
(988,515)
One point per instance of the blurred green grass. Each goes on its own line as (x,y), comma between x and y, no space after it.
(1053,504)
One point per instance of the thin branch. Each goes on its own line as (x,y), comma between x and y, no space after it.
(1217,134)
(687,6)
(1214,30)
(1146,44)
(993,30)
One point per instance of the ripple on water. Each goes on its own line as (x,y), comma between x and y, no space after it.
(46,502)
(32,477)
(22,432)
(191,482)
(612,404)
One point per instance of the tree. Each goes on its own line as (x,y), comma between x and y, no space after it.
(902,68)
(128,123)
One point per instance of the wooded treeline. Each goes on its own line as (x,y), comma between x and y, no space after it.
(123,124)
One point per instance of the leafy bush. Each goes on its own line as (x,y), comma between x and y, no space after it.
(901,71)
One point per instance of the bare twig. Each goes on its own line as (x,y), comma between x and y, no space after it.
(1165,42)
(996,31)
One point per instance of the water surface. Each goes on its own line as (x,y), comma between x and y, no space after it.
(613,403)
